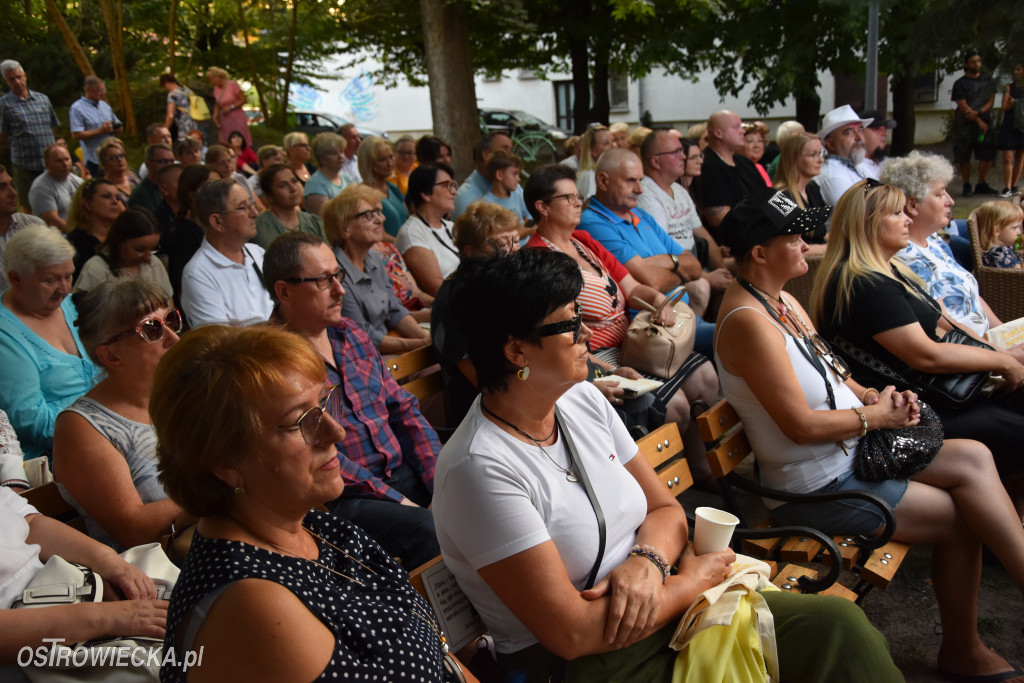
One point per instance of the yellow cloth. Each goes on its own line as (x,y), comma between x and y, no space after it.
(728,634)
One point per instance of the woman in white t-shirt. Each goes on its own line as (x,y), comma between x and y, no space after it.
(518,529)
(425,239)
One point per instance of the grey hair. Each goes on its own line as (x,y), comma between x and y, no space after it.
(212,198)
(325,142)
(915,172)
(92,81)
(36,246)
(9,65)
(788,129)
(114,306)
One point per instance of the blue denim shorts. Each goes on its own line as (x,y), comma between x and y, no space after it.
(849,516)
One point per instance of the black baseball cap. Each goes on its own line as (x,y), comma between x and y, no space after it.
(766,214)
(878,119)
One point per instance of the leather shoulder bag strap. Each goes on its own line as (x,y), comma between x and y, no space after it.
(576,463)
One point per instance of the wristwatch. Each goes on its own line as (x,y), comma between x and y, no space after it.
(675,263)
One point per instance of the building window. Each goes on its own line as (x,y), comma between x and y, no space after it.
(563,104)
(926,88)
(528,75)
(618,92)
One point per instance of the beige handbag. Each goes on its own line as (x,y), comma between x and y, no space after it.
(652,347)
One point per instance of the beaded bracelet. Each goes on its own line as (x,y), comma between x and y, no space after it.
(863,421)
(655,557)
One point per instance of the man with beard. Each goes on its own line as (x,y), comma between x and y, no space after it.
(876,138)
(842,134)
(973,132)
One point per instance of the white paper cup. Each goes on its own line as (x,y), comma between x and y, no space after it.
(713,530)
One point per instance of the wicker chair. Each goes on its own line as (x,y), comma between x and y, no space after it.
(802,287)
(1001,288)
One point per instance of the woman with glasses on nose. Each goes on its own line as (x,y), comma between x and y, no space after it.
(274,589)
(114,162)
(607,288)
(104,443)
(128,251)
(426,240)
(282,193)
(354,222)
(43,365)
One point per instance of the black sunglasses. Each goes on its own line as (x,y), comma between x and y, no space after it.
(573,325)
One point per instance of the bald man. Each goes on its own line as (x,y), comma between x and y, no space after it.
(727,176)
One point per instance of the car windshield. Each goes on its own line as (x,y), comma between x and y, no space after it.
(528,118)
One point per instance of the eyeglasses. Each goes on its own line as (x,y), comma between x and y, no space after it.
(309,422)
(115,157)
(369,214)
(572,199)
(161,162)
(678,152)
(450,184)
(248,206)
(573,325)
(822,348)
(151,330)
(322,281)
(820,154)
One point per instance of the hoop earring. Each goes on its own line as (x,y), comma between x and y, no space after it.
(524,373)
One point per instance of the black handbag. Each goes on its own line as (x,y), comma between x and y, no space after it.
(884,454)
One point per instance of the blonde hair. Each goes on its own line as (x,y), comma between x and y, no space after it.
(991,217)
(480,222)
(105,146)
(788,172)
(340,210)
(637,137)
(853,251)
(587,160)
(619,127)
(217,71)
(367,153)
(209,393)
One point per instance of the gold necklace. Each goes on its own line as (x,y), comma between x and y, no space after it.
(289,553)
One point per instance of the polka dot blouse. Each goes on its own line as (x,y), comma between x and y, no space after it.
(378,635)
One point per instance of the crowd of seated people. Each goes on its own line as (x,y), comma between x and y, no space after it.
(378,249)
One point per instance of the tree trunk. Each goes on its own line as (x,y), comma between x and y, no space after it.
(903,113)
(171,29)
(124,91)
(808,107)
(579,55)
(282,116)
(449,60)
(77,53)
(253,73)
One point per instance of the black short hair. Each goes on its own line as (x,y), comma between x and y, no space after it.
(428,149)
(421,182)
(283,258)
(540,186)
(497,299)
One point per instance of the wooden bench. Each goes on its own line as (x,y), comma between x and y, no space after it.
(876,559)
(419,373)
(48,501)
(663,449)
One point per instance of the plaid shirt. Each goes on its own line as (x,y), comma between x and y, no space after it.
(29,124)
(382,421)
(85,114)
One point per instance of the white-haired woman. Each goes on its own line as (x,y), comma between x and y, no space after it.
(43,365)
(328,181)
(298,151)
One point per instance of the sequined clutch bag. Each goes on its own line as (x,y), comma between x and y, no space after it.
(884,454)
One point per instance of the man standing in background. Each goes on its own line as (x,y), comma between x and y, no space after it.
(29,123)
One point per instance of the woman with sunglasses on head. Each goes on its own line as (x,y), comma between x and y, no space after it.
(273,588)
(555,206)
(519,531)
(128,251)
(354,223)
(104,452)
(425,240)
(804,415)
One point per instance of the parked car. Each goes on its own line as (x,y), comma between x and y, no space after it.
(313,122)
(515,121)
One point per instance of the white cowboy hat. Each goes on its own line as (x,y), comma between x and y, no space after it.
(841,116)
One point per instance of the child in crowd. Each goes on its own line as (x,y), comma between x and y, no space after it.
(503,171)
(999,226)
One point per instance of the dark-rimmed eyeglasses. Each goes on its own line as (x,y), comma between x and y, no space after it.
(248,206)
(322,281)
(451,185)
(678,152)
(369,214)
(573,324)
(571,198)
(151,330)
(309,422)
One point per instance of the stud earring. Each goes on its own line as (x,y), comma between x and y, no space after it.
(524,373)
(239,490)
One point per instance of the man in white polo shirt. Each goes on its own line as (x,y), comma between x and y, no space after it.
(223,282)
